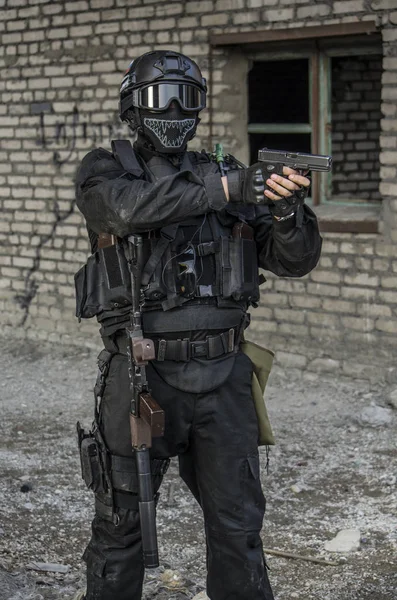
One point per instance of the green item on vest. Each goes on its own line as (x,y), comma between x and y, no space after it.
(262,360)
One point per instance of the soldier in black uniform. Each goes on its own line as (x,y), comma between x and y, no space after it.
(204,236)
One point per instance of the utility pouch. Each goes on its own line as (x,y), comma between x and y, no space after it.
(86,283)
(240,265)
(262,360)
(103,283)
(115,287)
(90,457)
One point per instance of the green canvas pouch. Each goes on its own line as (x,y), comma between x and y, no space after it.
(262,360)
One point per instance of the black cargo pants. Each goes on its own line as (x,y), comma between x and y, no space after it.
(214,435)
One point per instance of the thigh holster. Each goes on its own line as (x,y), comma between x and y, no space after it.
(113,478)
(124,480)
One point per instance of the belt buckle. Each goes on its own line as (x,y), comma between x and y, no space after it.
(199,349)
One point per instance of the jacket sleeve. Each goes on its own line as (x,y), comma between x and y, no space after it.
(113,201)
(288,248)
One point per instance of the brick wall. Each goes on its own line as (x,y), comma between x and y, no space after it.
(356,115)
(61,65)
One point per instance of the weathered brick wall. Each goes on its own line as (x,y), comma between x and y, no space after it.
(356,115)
(66,59)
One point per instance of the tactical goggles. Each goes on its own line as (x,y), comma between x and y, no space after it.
(158,96)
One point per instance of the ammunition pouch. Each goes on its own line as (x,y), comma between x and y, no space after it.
(175,270)
(103,283)
(262,360)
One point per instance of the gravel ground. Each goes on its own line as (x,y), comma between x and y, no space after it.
(332,469)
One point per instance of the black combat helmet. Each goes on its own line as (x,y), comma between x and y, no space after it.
(161,95)
(155,78)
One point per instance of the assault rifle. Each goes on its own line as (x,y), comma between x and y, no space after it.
(146,416)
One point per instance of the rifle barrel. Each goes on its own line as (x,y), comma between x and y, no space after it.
(147,509)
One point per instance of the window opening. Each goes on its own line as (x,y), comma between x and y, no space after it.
(326,102)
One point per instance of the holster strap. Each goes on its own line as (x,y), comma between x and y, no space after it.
(120,500)
(128,464)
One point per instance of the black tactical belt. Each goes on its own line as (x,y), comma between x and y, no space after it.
(184,350)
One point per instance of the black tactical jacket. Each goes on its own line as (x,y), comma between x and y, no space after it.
(113,201)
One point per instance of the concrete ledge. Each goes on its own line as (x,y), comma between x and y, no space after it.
(352,218)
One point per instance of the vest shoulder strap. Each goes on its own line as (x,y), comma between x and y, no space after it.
(124,153)
(168,234)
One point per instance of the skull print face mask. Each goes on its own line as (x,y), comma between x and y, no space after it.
(170,131)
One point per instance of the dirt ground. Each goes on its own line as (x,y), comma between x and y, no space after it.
(331,469)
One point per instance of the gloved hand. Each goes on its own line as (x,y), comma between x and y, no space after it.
(254,186)
(286,191)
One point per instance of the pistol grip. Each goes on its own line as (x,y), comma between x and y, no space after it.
(268,170)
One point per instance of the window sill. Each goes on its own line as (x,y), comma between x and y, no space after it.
(349,218)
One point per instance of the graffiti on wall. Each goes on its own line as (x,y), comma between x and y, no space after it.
(64,134)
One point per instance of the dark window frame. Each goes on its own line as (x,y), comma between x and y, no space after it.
(319,44)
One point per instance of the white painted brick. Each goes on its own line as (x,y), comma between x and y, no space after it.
(339,306)
(158,24)
(19,25)
(7,15)
(383,4)
(387,325)
(293,330)
(358,323)
(323,319)
(348,6)
(107,28)
(204,6)
(325,276)
(79,6)
(362,279)
(248,17)
(51,9)
(221,5)
(11,38)
(321,289)
(215,19)
(282,14)
(317,10)
(389,35)
(97,4)
(59,33)
(82,31)
(169,9)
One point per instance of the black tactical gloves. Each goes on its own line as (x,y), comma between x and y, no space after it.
(248,186)
(281,208)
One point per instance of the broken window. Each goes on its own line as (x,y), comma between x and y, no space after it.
(324,99)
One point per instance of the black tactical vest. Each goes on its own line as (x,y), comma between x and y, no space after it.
(213,257)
